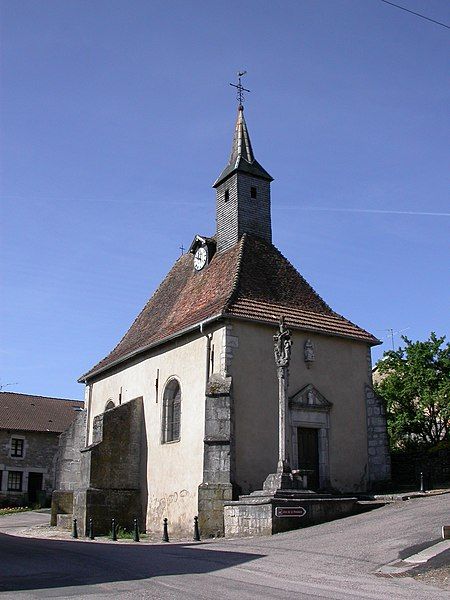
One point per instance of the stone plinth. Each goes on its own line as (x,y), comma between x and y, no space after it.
(64,521)
(258,515)
(62,504)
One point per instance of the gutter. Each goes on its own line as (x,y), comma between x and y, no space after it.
(200,325)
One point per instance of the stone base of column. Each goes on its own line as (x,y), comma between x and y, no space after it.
(280,481)
(282,511)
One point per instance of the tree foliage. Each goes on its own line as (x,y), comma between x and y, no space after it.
(414,382)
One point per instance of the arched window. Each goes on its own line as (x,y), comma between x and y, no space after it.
(109,405)
(171,412)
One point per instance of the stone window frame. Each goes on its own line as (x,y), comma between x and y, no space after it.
(171,413)
(17,456)
(15,486)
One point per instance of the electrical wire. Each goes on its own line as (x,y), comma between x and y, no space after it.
(415,13)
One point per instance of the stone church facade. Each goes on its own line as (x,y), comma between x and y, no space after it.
(182,415)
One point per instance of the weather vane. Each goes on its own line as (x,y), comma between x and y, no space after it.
(240,88)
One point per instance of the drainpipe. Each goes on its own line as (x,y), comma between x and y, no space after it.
(88,416)
(208,352)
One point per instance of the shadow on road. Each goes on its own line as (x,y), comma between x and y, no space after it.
(28,564)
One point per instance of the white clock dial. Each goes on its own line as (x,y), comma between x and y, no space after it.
(200,258)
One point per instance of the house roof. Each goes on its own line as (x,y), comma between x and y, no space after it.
(252,280)
(36,413)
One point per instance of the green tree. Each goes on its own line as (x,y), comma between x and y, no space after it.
(414,382)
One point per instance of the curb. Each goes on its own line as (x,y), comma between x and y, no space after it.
(401,567)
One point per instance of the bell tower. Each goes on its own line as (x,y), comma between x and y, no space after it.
(242,191)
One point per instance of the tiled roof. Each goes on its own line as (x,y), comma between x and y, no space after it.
(252,280)
(36,413)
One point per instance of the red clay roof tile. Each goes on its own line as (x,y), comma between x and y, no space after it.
(251,280)
(23,412)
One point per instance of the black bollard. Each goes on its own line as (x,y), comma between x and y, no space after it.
(74,529)
(136,530)
(196,530)
(165,537)
(91,529)
(113,530)
(422,483)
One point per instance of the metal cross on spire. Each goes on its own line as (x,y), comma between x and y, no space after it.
(240,89)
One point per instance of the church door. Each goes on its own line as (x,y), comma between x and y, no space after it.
(308,454)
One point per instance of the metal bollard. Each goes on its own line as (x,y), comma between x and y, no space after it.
(91,529)
(165,537)
(196,530)
(75,529)
(113,530)
(422,483)
(136,530)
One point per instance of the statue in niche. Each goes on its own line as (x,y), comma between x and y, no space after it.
(309,353)
(282,347)
(311,397)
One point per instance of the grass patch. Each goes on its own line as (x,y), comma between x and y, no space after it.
(125,534)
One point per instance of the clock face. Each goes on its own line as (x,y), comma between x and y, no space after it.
(200,258)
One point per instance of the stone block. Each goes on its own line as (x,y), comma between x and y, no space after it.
(62,504)
(64,521)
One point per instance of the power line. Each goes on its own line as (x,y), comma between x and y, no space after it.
(415,13)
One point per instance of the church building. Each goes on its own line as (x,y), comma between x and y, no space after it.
(182,415)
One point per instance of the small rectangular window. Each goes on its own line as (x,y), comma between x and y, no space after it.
(253,192)
(16,447)
(15,481)
(227,195)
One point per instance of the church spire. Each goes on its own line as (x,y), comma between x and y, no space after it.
(242,157)
(242,189)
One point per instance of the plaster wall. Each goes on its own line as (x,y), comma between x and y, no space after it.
(339,373)
(174,470)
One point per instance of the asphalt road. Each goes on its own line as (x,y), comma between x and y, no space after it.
(334,561)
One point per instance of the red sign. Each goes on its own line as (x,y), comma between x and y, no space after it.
(297,511)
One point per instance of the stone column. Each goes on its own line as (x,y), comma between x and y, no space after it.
(282,351)
(282,479)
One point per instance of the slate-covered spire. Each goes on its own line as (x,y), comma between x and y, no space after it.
(242,158)
(242,193)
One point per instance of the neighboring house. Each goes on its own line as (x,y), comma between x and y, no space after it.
(29,430)
(182,415)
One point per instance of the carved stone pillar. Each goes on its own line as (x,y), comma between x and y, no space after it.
(282,479)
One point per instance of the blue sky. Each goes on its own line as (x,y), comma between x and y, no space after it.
(117,117)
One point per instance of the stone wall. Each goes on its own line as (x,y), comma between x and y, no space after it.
(110,471)
(259,516)
(39,456)
(68,459)
(379,461)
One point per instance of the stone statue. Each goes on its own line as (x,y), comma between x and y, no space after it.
(283,343)
(309,352)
